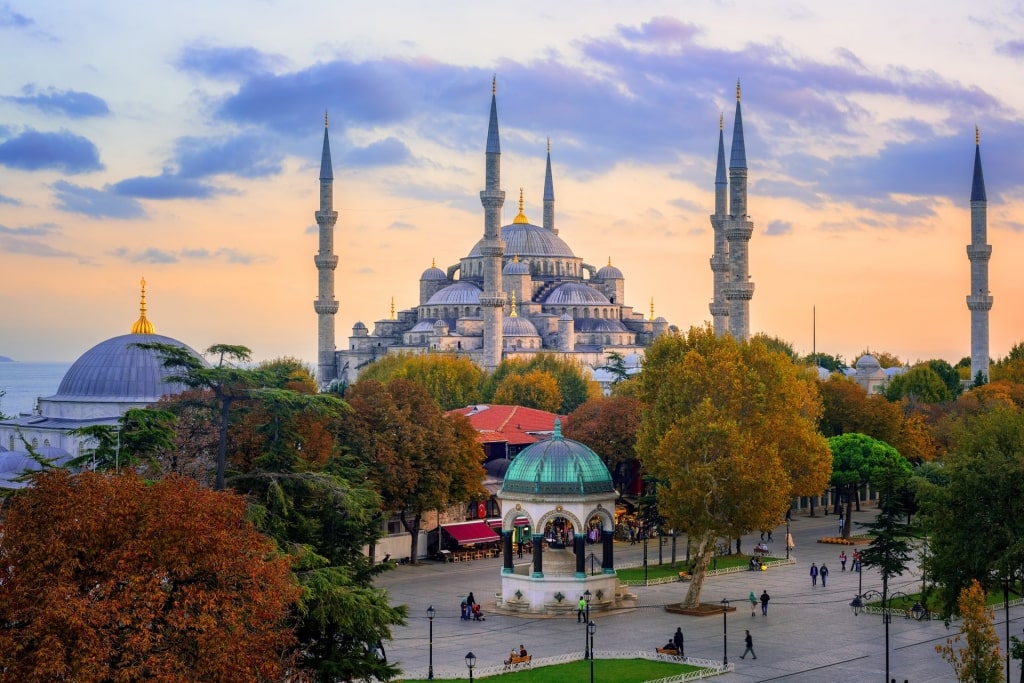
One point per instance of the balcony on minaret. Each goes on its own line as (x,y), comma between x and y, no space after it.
(325,261)
(321,307)
(718,308)
(738,229)
(719,263)
(741,291)
(979,252)
(979,302)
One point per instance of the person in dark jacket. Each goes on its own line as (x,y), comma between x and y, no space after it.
(677,639)
(749,640)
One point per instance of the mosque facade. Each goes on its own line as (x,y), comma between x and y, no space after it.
(520,290)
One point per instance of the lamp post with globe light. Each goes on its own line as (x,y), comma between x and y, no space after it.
(586,642)
(857,604)
(725,631)
(591,629)
(470,663)
(430,668)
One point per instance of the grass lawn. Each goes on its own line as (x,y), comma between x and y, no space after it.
(656,571)
(605,671)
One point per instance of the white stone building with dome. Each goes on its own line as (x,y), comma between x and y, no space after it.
(520,290)
(108,380)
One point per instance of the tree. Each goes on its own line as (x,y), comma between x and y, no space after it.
(574,387)
(729,431)
(140,435)
(452,381)
(823,360)
(609,427)
(857,460)
(889,550)
(107,578)
(977,520)
(778,345)
(919,384)
(535,389)
(950,377)
(616,365)
(418,458)
(979,660)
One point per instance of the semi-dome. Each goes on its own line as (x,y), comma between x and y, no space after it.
(575,294)
(528,240)
(460,293)
(558,466)
(118,370)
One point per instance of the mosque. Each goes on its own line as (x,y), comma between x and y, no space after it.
(522,290)
(108,380)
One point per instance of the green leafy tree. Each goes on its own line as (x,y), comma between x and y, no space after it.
(535,389)
(857,460)
(823,360)
(977,520)
(452,381)
(574,387)
(729,432)
(920,384)
(889,550)
(616,365)
(950,376)
(979,660)
(609,427)
(778,345)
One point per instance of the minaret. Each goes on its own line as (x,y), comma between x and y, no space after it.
(142,325)
(492,299)
(739,289)
(979,301)
(549,196)
(720,257)
(325,304)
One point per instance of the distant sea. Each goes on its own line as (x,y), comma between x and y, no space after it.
(24,382)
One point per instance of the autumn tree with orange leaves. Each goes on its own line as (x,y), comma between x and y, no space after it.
(979,660)
(106,578)
(729,431)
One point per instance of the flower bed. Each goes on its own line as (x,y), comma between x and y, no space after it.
(839,540)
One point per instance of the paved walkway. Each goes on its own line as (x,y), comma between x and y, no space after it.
(810,633)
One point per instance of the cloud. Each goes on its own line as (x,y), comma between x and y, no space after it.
(72,103)
(245,156)
(164,186)
(63,151)
(19,245)
(688,205)
(1013,226)
(387,152)
(11,19)
(4,199)
(227,63)
(95,203)
(312,229)
(163,256)
(1012,48)
(38,230)
(401,225)
(778,228)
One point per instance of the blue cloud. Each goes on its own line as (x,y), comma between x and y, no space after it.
(778,228)
(227,63)
(245,156)
(11,19)
(38,230)
(95,203)
(77,105)
(63,151)
(19,245)
(387,152)
(150,255)
(4,199)
(1011,48)
(164,186)
(159,256)
(401,225)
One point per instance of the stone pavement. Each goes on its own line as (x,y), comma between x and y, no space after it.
(810,633)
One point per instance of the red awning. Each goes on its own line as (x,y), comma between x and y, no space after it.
(471,532)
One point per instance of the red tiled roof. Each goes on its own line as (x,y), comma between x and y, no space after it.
(514,424)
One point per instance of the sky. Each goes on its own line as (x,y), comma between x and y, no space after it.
(181,141)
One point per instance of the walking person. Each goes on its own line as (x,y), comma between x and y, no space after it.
(842,559)
(842,523)
(581,611)
(677,640)
(753,602)
(764,603)
(749,641)
(770,539)
(814,574)
(823,572)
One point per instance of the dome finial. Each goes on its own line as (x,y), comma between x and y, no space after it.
(494,84)
(515,259)
(142,325)
(433,263)
(513,314)
(721,120)
(977,135)
(652,308)
(325,118)
(521,218)
(609,260)
(737,90)
(558,429)
(392,308)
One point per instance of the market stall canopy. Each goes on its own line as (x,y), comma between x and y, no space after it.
(465,533)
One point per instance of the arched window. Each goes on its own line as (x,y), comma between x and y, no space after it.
(46,442)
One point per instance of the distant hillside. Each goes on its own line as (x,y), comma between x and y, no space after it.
(5,359)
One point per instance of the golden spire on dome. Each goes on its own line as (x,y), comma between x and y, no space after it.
(513,314)
(652,308)
(737,90)
(142,325)
(515,259)
(521,218)
(977,136)
(392,308)
(433,262)
(609,260)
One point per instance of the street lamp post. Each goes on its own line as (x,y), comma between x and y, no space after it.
(430,667)
(586,642)
(787,537)
(858,604)
(645,532)
(470,663)
(591,628)
(725,632)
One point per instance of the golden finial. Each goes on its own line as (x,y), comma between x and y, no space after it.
(515,259)
(521,218)
(494,84)
(142,325)
(513,314)
(737,90)
(652,308)
(977,136)
(433,263)
(325,118)
(721,118)
(392,308)
(609,260)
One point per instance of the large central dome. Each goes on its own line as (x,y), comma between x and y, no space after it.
(525,240)
(557,466)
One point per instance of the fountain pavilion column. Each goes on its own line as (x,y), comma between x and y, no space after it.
(506,550)
(581,555)
(607,536)
(538,554)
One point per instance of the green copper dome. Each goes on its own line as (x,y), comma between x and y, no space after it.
(557,466)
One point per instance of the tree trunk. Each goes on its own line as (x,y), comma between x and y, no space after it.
(413,527)
(701,561)
(848,523)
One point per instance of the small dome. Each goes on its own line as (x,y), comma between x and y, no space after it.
(359,326)
(518,327)
(515,267)
(433,273)
(425,325)
(118,370)
(460,293)
(565,317)
(575,294)
(660,319)
(610,272)
(867,363)
(558,466)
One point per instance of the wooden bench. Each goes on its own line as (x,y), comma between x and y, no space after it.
(516,661)
(668,652)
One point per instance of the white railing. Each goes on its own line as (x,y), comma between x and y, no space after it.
(708,667)
(899,612)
